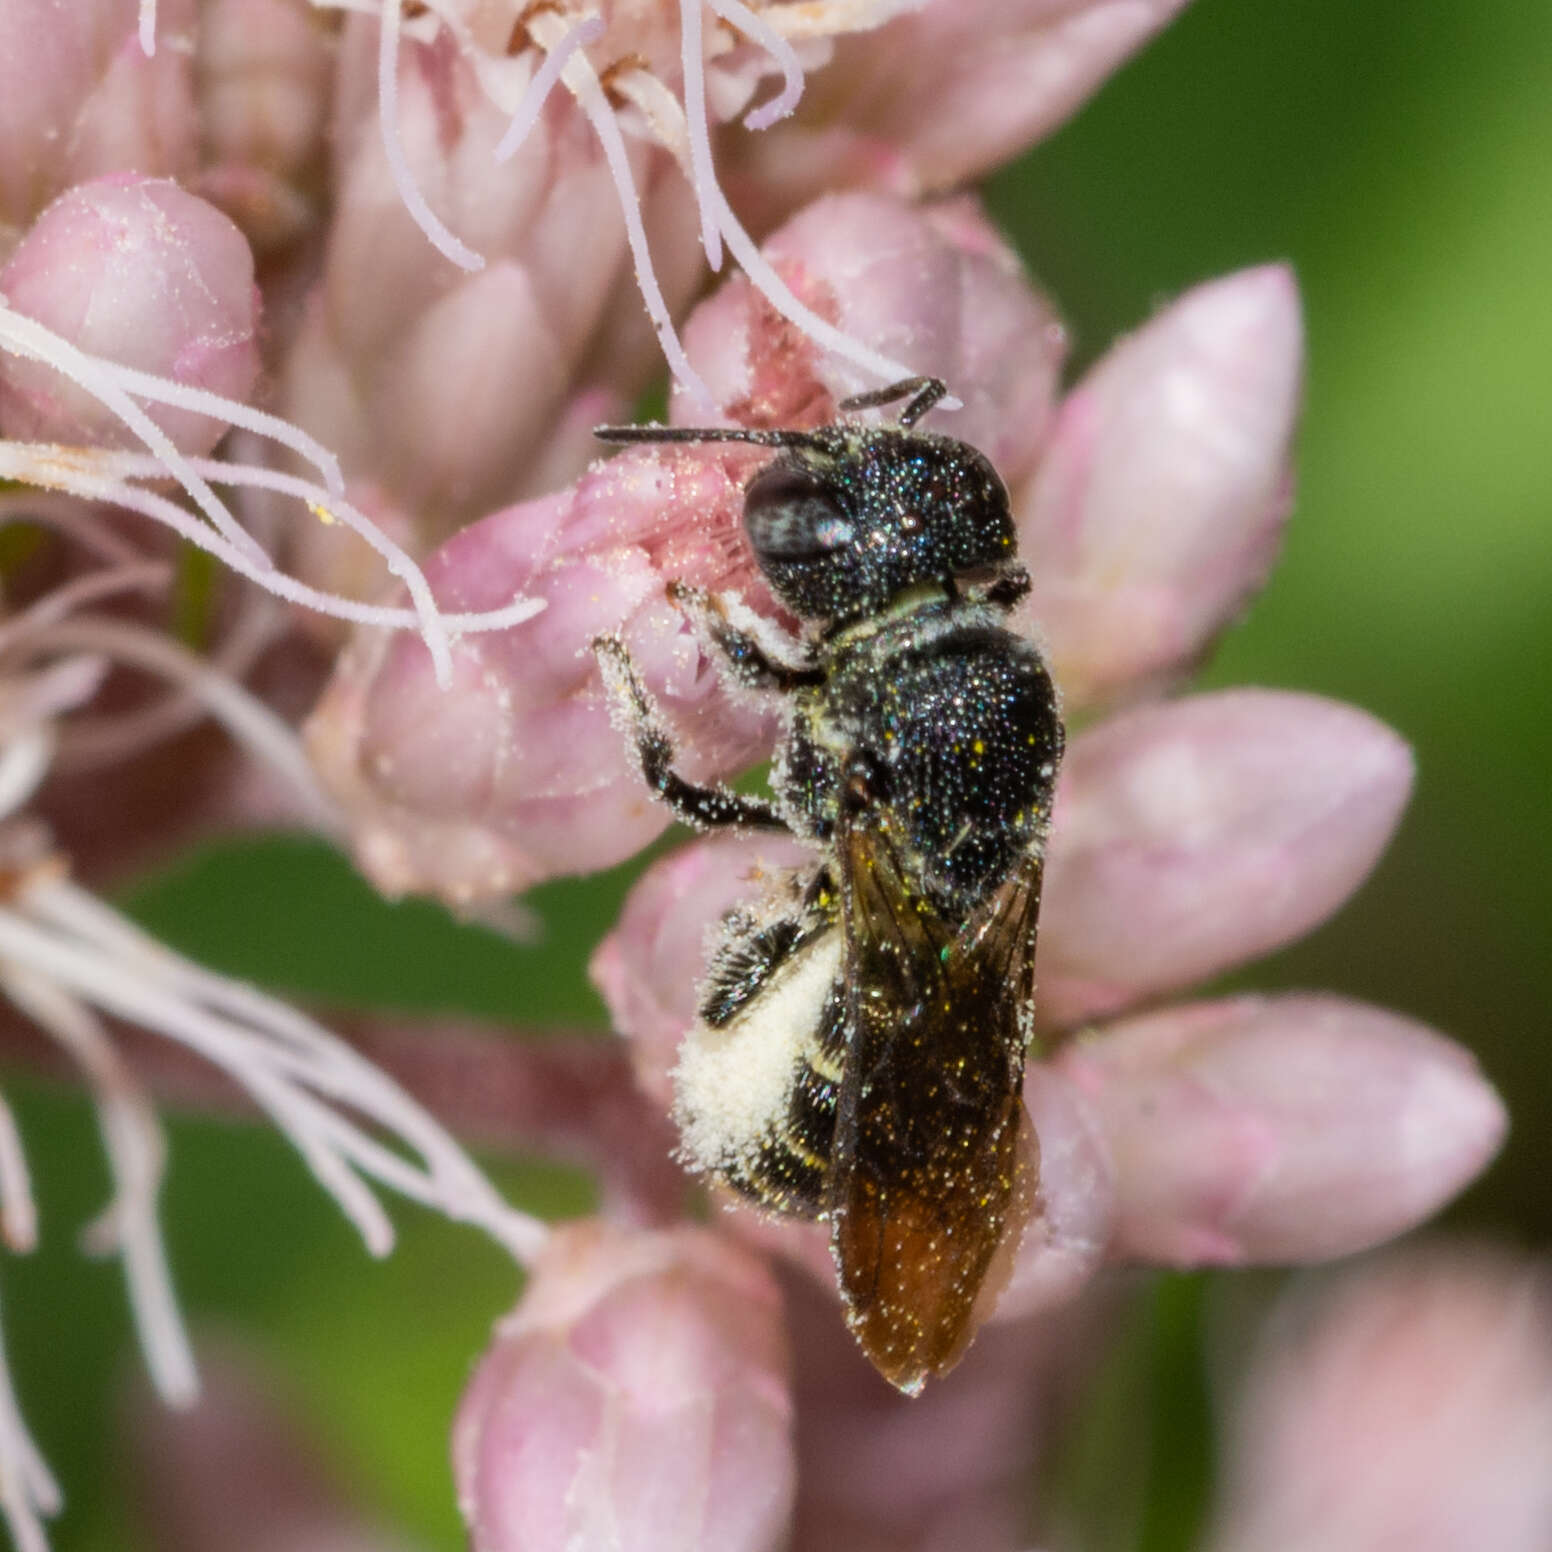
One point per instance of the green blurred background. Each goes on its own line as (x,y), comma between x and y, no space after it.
(1400,154)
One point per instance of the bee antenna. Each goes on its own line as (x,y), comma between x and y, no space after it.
(705,434)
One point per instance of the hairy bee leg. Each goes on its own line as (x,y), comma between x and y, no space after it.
(704,807)
(758,654)
(771,990)
(923,393)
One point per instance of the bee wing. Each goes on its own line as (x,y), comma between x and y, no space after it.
(933,1168)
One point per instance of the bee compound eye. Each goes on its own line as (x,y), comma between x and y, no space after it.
(791,514)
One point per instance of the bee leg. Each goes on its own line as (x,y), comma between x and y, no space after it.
(704,807)
(923,393)
(758,654)
(755,996)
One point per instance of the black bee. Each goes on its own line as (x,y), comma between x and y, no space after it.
(860,1050)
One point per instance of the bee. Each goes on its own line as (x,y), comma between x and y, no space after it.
(860,1047)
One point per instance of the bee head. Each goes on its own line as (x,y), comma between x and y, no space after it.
(848,519)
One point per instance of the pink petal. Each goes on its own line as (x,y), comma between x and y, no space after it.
(939,96)
(79,99)
(493,336)
(1192,836)
(136,271)
(1157,510)
(516,772)
(934,286)
(1281,1129)
(636,1397)
(1409,1404)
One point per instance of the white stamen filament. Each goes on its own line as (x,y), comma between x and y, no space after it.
(148,27)
(289,1064)
(30,702)
(687,136)
(831,18)
(335,507)
(94,474)
(584,86)
(148,576)
(25,337)
(132,1138)
(266,736)
(757,28)
(526,115)
(24,762)
(664,114)
(163,390)
(424,217)
(703,177)
(27,1491)
(18,1211)
(763,275)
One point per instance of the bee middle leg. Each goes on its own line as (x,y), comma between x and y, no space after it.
(705,807)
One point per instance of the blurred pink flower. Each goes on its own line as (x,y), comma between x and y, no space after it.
(1405,1403)
(444,208)
(242,1472)
(941,94)
(80,98)
(637,1397)
(262,79)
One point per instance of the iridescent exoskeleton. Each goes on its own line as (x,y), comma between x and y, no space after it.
(860,1050)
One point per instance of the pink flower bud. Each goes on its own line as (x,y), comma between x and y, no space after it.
(940,95)
(935,286)
(648,968)
(637,1397)
(80,98)
(446,386)
(265,69)
(515,772)
(1067,1240)
(1409,1404)
(1281,1129)
(1193,836)
(1157,509)
(140,273)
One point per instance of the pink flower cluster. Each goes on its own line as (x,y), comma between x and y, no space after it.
(439,243)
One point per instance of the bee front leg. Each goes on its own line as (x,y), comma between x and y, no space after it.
(758,654)
(704,807)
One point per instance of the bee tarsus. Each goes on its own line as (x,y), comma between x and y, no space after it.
(704,807)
